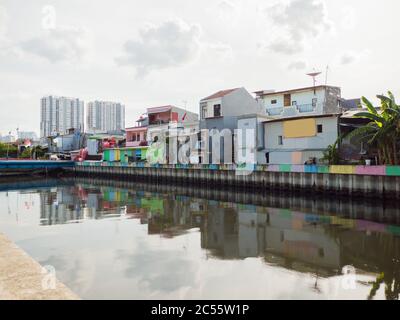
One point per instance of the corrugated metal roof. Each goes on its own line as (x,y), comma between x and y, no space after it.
(159,109)
(263,93)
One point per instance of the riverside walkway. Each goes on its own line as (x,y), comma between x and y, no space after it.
(20,167)
(22,278)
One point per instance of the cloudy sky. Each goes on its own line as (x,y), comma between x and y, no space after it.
(157,52)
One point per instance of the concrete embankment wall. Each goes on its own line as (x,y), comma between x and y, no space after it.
(343,180)
(22,278)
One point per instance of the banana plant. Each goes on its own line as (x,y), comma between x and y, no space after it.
(383,128)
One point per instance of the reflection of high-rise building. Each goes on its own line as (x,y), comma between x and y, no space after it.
(70,204)
(60,114)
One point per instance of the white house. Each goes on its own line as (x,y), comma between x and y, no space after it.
(304,123)
(220,111)
(301,102)
(251,131)
(297,140)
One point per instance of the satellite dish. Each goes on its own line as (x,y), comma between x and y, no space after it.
(314,75)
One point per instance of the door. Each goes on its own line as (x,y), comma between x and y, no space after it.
(287,100)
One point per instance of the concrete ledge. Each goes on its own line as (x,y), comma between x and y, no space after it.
(21,277)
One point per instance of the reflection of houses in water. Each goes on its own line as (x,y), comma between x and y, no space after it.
(73,204)
(59,206)
(291,236)
(251,231)
(171,217)
(243,232)
(316,243)
(220,233)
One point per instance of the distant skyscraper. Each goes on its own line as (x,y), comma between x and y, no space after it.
(59,114)
(105,116)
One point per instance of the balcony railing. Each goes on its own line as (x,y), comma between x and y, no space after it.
(159,122)
(305,108)
(275,111)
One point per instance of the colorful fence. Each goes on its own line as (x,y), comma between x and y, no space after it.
(123,154)
(284,168)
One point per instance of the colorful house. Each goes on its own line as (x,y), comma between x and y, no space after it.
(125,155)
(137,136)
(162,119)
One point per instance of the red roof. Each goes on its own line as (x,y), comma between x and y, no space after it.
(219,94)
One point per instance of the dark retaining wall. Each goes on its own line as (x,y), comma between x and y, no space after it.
(327,183)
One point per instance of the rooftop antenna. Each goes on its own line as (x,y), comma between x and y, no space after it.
(326,75)
(314,75)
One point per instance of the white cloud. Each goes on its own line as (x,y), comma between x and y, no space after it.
(297,65)
(228,12)
(3,23)
(172,43)
(296,22)
(351,57)
(348,58)
(349,18)
(221,51)
(285,46)
(63,44)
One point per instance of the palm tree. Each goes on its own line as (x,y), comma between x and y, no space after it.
(383,130)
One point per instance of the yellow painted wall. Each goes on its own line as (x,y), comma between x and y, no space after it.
(342,169)
(300,128)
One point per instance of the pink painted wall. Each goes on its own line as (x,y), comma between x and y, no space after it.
(130,134)
(371,170)
(163,116)
(273,168)
(298,168)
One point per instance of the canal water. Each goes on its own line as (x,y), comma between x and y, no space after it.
(120,240)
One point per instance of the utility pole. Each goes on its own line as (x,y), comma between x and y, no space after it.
(8,145)
(326,75)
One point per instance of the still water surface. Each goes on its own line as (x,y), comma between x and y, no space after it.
(128,241)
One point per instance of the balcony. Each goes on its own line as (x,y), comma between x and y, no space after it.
(303,108)
(136,143)
(275,111)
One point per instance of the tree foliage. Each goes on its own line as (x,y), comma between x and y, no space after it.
(382,130)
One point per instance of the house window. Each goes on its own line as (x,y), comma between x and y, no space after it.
(204,112)
(217,110)
(274,101)
(319,128)
(314,102)
(280,140)
(287,100)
